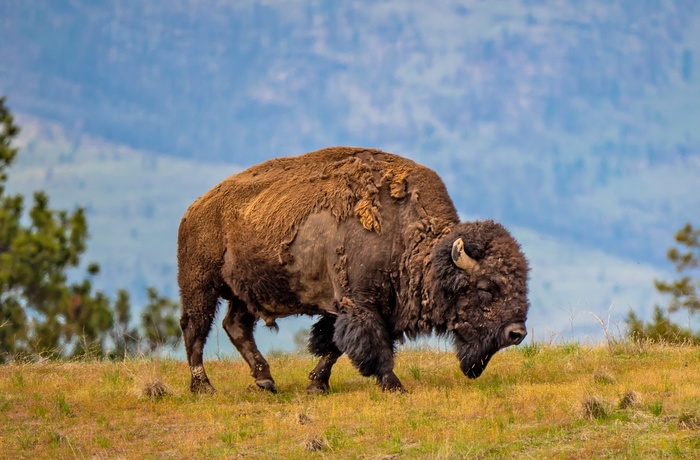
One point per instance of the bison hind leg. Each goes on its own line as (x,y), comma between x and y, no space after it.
(199,308)
(321,344)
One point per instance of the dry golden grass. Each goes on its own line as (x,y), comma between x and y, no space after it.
(563,401)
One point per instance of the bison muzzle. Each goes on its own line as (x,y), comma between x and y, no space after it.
(368,241)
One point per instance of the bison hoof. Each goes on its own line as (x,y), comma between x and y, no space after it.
(394,389)
(199,387)
(317,388)
(391,383)
(267,385)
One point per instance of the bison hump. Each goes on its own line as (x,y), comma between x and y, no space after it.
(273,198)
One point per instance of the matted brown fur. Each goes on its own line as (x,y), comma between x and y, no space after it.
(273,198)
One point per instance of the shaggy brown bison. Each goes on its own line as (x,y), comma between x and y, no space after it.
(369,241)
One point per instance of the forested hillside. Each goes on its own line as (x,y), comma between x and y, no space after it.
(575,121)
(558,101)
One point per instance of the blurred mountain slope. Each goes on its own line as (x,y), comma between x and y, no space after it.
(534,104)
(573,122)
(135,200)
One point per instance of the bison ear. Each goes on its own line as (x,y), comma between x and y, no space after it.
(460,257)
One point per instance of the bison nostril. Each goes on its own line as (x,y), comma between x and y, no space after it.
(515,333)
(515,336)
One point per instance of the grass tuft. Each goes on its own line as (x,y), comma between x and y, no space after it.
(63,406)
(56,439)
(630,399)
(603,377)
(415,371)
(315,443)
(5,404)
(688,421)
(656,408)
(155,389)
(531,349)
(303,418)
(594,407)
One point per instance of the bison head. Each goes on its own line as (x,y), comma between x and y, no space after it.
(480,291)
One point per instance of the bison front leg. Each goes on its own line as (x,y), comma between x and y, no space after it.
(363,336)
(239,324)
(321,344)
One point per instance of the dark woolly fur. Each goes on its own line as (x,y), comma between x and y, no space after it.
(321,337)
(494,295)
(362,335)
(361,237)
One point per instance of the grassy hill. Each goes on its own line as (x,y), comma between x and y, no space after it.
(620,400)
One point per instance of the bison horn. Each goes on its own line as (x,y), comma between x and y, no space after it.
(460,257)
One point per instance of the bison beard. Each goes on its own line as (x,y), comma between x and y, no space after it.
(473,357)
(369,241)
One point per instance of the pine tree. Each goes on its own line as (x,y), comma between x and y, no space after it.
(159,321)
(13,321)
(42,312)
(684,292)
(125,337)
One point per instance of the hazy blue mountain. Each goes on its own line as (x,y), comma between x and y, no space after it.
(135,200)
(576,122)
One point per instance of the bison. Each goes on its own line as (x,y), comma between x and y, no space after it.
(367,240)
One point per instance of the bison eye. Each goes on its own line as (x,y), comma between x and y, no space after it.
(485,299)
(488,286)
